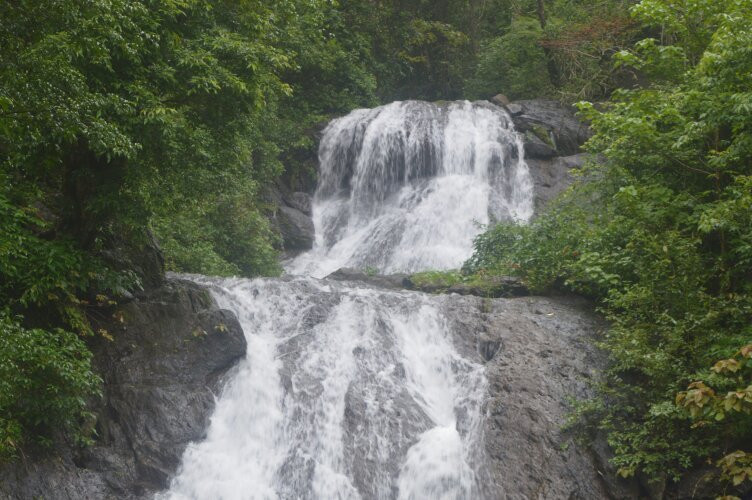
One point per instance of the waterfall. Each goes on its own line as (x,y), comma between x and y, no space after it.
(352,392)
(407,186)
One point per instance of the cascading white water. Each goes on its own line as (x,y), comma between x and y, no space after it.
(351,392)
(406,186)
(346,392)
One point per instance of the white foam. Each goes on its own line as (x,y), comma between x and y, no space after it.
(407,186)
(349,392)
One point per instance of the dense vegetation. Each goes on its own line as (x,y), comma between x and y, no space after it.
(117,116)
(122,121)
(659,231)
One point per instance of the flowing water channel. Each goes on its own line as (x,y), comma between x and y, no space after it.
(348,391)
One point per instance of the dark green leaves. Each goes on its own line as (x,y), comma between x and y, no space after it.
(658,232)
(45,381)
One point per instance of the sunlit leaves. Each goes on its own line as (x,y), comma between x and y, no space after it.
(737,467)
(727,366)
(703,403)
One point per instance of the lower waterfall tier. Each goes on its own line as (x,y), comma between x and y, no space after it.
(352,392)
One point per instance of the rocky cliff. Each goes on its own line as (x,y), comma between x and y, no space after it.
(171,348)
(553,137)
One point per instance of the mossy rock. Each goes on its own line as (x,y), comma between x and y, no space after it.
(544,135)
(474,284)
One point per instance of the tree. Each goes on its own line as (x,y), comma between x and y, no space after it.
(120,115)
(659,232)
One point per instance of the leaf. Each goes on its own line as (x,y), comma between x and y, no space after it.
(105,334)
(626,472)
(727,365)
(746,351)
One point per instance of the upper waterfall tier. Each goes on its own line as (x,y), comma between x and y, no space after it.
(407,186)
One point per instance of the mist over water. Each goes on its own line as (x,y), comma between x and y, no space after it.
(351,392)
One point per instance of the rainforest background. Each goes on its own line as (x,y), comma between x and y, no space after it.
(127,123)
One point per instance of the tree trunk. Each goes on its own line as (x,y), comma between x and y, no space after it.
(542,14)
(553,71)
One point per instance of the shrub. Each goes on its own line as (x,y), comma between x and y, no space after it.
(45,381)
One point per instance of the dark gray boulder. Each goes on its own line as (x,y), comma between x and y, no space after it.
(388,281)
(296,228)
(145,258)
(290,215)
(552,136)
(514,109)
(300,201)
(550,122)
(535,147)
(161,374)
(500,100)
(552,176)
(568,132)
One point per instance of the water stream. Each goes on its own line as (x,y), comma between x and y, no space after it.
(407,186)
(351,392)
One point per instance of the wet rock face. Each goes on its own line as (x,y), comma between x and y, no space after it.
(552,136)
(160,376)
(296,229)
(291,217)
(538,145)
(552,176)
(552,123)
(545,359)
(539,355)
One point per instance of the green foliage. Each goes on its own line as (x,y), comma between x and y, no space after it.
(118,116)
(45,380)
(51,277)
(227,238)
(563,52)
(580,40)
(659,232)
(45,374)
(480,284)
(105,103)
(513,63)
(371,271)
(411,50)
(447,49)
(436,280)
(708,407)
(689,24)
